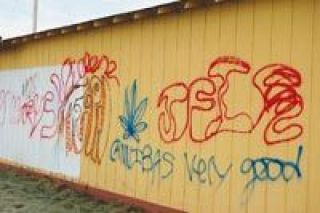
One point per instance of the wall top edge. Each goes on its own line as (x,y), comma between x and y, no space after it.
(174,7)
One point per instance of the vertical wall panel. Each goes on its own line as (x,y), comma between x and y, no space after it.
(157,192)
(179,192)
(144,179)
(280,52)
(136,54)
(155,81)
(124,73)
(240,145)
(111,47)
(301,57)
(210,189)
(166,72)
(261,53)
(313,189)
(224,142)
(196,70)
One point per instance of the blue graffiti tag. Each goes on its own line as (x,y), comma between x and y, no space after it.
(131,120)
(271,169)
(204,170)
(148,159)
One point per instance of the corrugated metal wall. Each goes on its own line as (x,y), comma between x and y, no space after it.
(209,110)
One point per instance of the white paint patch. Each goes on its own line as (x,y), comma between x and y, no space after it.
(30,100)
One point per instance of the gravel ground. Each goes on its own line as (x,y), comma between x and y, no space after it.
(26,194)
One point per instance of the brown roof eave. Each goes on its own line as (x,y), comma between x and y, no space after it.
(173,7)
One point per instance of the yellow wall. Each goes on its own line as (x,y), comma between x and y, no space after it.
(174,48)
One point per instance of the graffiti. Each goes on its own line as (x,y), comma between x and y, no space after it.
(84,119)
(34,110)
(71,106)
(147,159)
(204,170)
(29,86)
(93,63)
(131,121)
(75,106)
(206,96)
(278,85)
(93,119)
(271,169)
(83,103)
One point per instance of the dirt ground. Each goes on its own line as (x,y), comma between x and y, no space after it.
(26,194)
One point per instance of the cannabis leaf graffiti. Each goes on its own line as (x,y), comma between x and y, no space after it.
(131,120)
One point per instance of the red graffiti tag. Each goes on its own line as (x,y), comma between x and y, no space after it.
(92,63)
(206,97)
(278,84)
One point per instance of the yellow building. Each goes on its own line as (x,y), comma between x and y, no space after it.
(195,106)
